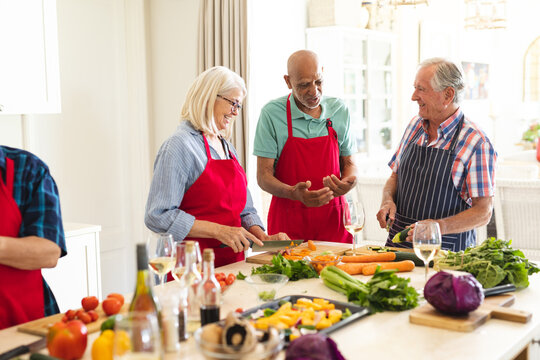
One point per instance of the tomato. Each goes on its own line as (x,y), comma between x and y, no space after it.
(230,279)
(111,306)
(239,310)
(120,297)
(93,314)
(220,276)
(67,341)
(70,314)
(85,317)
(223,284)
(89,303)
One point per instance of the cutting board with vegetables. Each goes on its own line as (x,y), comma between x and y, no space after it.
(321,247)
(493,307)
(41,326)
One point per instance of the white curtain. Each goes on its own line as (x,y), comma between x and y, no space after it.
(223,41)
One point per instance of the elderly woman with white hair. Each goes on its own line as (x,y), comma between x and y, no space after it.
(199,190)
(444,168)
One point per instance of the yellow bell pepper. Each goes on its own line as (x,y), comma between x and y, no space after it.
(323,324)
(102,348)
(334,315)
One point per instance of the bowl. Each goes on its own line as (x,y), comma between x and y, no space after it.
(267,285)
(320,262)
(263,350)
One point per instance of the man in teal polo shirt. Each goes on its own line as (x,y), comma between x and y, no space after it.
(304,148)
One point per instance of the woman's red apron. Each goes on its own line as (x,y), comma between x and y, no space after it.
(21,291)
(302,160)
(219,195)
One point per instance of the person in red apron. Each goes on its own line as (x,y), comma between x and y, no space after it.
(309,174)
(24,295)
(199,190)
(444,168)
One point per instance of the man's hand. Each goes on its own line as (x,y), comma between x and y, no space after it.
(387,214)
(311,198)
(236,237)
(339,187)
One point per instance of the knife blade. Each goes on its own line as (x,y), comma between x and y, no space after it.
(23,349)
(270,244)
(501,289)
(276,245)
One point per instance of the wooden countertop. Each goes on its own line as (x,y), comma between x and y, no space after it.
(387,335)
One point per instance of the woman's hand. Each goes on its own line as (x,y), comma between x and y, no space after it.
(278,236)
(236,238)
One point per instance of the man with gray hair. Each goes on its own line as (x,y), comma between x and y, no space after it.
(444,168)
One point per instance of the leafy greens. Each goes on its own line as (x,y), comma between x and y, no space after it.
(294,269)
(492,263)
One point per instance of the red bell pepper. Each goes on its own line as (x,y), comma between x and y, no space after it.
(67,341)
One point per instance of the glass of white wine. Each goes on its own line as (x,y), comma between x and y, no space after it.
(180,259)
(426,241)
(160,254)
(353,217)
(137,336)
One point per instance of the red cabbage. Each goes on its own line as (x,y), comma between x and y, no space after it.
(313,347)
(455,295)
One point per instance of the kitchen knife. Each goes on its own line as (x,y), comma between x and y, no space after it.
(501,289)
(23,349)
(271,245)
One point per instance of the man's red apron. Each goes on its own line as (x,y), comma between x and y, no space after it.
(219,195)
(21,291)
(302,160)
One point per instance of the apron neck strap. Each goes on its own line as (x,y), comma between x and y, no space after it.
(289,115)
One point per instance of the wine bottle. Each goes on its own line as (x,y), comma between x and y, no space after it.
(143,298)
(190,280)
(209,290)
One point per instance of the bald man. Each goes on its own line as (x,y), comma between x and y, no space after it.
(304,148)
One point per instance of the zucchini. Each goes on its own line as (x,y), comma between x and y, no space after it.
(401,255)
(401,236)
(39,356)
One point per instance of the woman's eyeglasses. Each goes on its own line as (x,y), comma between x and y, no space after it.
(236,106)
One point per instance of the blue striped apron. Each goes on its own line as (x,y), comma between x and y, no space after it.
(425,190)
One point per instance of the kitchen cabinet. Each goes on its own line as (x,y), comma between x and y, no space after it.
(78,274)
(29,70)
(359,67)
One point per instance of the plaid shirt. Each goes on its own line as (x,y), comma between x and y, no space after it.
(473,172)
(36,194)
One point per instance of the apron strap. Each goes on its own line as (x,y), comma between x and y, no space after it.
(459,126)
(289,116)
(10,169)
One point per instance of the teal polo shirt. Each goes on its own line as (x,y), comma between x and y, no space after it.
(272,133)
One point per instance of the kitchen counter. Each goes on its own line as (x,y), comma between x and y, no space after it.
(387,335)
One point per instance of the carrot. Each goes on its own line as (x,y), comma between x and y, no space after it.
(376,257)
(311,245)
(401,266)
(352,268)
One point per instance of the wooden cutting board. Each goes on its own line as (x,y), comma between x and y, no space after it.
(266,257)
(492,307)
(41,326)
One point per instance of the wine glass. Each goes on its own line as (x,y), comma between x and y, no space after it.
(137,336)
(160,254)
(426,241)
(180,263)
(353,217)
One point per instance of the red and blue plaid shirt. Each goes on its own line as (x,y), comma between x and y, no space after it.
(36,194)
(473,172)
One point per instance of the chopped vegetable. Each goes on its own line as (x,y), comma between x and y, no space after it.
(401,236)
(455,295)
(492,263)
(267,295)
